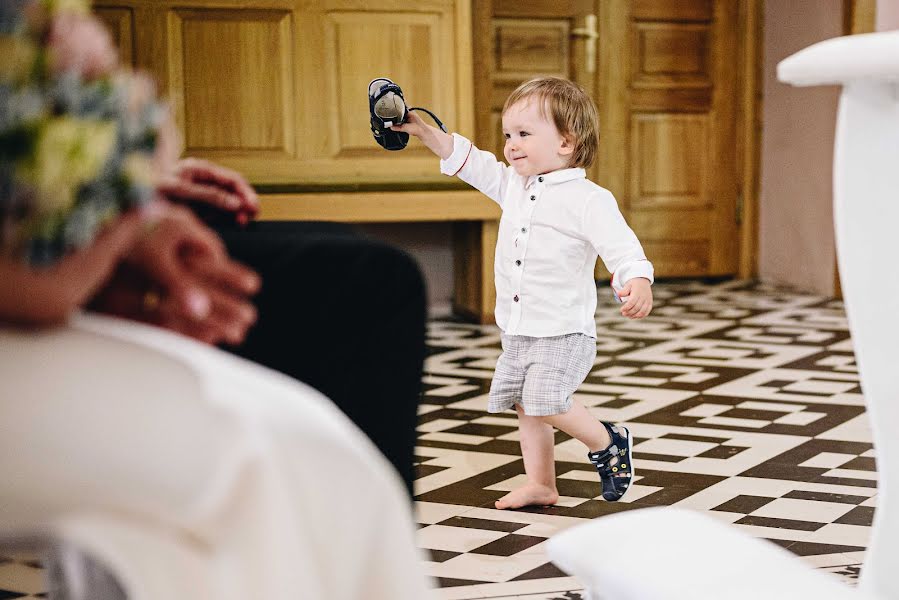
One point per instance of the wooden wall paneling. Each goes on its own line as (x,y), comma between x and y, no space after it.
(464,68)
(859,16)
(350,42)
(725,181)
(678,258)
(689,224)
(749,137)
(541,9)
(483,50)
(673,10)
(234,68)
(613,99)
(276,88)
(380,207)
(366,46)
(473,256)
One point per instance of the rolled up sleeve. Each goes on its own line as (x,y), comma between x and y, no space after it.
(614,241)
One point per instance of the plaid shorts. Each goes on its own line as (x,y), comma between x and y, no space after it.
(541,374)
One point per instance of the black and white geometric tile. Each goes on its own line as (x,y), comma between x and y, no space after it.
(745,403)
(21,577)
(744,400)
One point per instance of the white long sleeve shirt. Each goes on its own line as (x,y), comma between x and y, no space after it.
(552,229)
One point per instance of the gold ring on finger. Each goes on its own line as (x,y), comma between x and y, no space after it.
(151,301)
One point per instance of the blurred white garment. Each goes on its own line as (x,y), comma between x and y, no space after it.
(193,473)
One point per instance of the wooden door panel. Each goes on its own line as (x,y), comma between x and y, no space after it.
(234,71)
(346,44)
(668,162)
(673,10)
(686,225)
(667,99)
(687,258)
(671,54)
(528,46)
(366,45)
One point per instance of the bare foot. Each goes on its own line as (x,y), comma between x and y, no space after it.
(530,494)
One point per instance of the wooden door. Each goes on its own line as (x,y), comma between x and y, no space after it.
(666,78)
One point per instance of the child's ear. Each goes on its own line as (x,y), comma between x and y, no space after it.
(566,148)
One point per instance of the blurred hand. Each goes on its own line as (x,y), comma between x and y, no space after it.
(180,277)
(45,296)
(81,43)
(200,181)
(637,294)
(168,140)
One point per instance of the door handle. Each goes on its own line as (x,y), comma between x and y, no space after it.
(590,34)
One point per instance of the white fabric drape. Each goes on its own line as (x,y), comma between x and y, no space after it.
(193,473)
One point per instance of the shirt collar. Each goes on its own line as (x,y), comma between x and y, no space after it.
(560,176)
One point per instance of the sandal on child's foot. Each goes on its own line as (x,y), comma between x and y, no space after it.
(613,464)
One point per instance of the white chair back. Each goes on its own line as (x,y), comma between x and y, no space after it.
(866,220)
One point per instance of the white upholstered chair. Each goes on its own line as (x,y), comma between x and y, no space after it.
(672,554)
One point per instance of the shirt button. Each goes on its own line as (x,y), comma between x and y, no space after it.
(518,262)
(540,179)
(515,298)
(524,230)
(533,197)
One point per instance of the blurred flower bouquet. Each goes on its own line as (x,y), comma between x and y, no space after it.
(79,137)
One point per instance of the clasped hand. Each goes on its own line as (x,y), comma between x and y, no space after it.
(180,276)
(165,254)
(197,289)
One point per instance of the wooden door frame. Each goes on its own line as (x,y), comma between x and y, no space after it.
(482,53)
(749,134)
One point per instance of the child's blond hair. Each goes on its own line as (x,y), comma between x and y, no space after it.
(571,109)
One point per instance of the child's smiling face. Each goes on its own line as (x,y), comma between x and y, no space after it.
(533,143)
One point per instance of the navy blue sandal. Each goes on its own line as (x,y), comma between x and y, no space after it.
(388,107)
(616,478)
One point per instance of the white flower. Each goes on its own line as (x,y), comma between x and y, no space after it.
(69,152)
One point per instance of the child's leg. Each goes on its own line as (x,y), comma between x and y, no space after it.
(537,443)
(582,426)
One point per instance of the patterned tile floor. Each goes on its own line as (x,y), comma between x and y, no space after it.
(744,401)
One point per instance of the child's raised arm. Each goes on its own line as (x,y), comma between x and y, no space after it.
(477,168)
